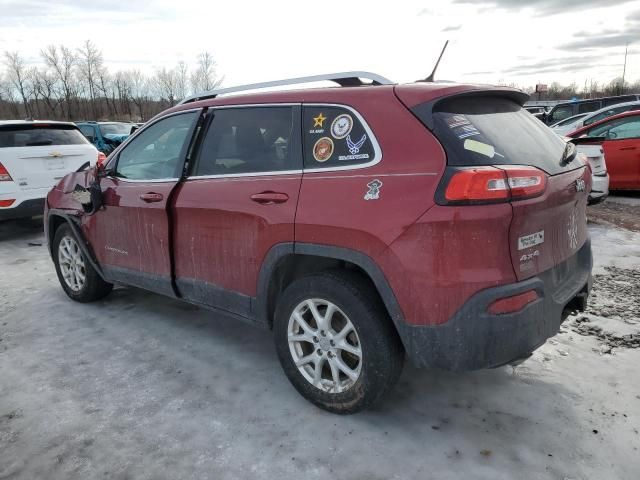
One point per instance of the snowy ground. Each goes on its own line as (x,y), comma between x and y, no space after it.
(139,386)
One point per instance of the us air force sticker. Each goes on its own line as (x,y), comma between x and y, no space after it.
(374,190)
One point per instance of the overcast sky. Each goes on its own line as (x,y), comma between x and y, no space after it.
(519,41)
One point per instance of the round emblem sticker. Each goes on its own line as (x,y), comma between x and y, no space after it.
(323,149)
(341,126)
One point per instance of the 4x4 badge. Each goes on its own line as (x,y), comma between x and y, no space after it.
(374,190)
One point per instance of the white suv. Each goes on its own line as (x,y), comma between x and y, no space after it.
(34,155)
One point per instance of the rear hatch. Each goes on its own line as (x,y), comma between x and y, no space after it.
(496,153)
(37,155)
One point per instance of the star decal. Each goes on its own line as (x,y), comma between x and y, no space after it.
(319,120)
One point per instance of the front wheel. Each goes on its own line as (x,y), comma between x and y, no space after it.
(78,278)
(335,341)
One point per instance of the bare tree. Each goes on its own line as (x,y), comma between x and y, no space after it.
(166,85)
(17,73)
(7,95)
(63,64)
(205,78)
(182,80)
(140,91)
(122,87)
(90,63)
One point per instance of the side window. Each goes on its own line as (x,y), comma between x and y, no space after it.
(560,113)
(618,129)
(630,128)
(249,140)
(155,153)
(588,107)
(334,137)
(87,131)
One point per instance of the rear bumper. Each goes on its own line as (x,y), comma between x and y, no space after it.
(474,339)
(25,209)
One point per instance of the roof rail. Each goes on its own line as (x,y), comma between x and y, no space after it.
(344,79)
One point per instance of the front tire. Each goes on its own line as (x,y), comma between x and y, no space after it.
(336,342)
(78,278)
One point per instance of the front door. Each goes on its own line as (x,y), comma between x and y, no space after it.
(238,202)
(131,234)
(621,151)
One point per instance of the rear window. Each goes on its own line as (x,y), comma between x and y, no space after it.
(40,135)
(115,128)
(496,131)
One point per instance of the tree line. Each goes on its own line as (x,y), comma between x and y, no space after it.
(75,84)
(590,89)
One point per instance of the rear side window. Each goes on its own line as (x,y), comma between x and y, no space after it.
(249,140)
(87,131)
(496,131)
(614,100)
(335,137)
(40,135)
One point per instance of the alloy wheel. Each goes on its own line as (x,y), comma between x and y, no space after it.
(72,264)
(324,345)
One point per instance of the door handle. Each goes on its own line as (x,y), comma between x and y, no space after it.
(269,198)
(151,197)
(627,148)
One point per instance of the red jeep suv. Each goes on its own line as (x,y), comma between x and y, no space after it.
(360,223)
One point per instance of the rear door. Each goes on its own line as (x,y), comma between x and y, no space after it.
(239,201)
(621,150)
(131,233)
(489,130)
(37,155)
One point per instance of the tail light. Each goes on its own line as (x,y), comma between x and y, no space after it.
(101,158)
(477,185)
(7,203)
(4,174)
(512,304)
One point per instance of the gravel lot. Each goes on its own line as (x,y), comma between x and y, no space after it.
(139,386)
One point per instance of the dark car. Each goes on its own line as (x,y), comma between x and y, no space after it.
(569,109)
(360,224)
(106,136)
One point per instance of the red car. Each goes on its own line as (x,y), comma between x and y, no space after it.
(621,144)
(361,224)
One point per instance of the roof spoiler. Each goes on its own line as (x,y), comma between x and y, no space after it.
(425,110)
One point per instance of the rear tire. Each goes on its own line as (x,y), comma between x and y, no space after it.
(347,359)
(78,278)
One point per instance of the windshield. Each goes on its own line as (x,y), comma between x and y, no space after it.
(496,131)
(40,135)
(115,128)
